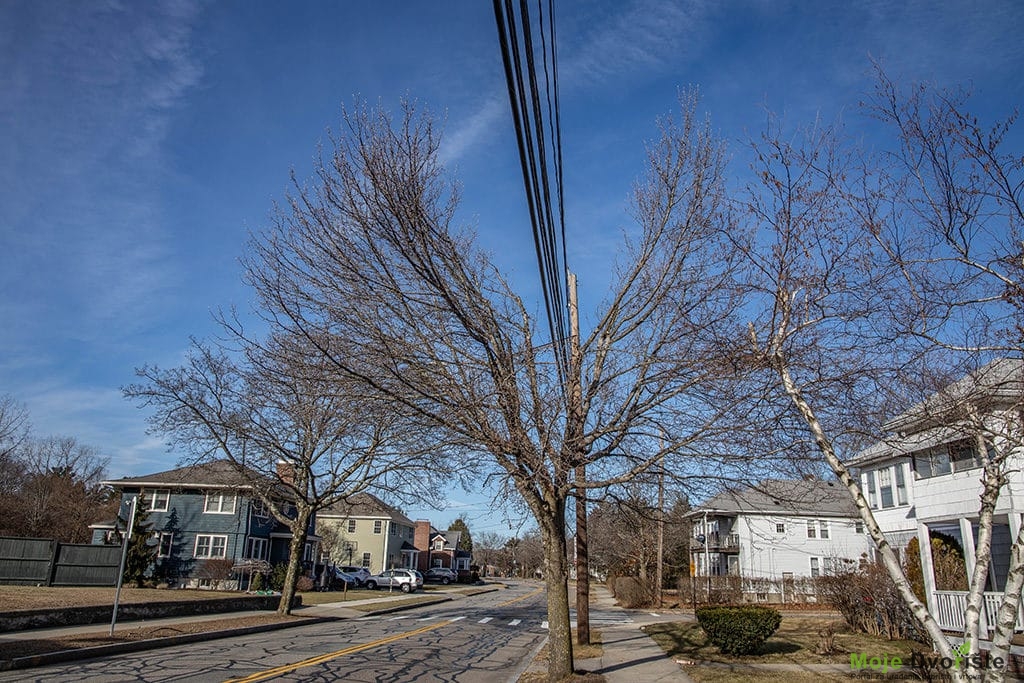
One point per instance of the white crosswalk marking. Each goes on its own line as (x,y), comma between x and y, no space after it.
(426,618)
(515,622)
(484,620)
(654,614)
(457,618)
(401,616)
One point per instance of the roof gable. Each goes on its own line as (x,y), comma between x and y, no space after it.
(366,505)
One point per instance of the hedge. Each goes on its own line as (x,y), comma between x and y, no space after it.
(738,630)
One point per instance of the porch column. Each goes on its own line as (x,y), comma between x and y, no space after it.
(970,557)
(1013,517)
(927,568)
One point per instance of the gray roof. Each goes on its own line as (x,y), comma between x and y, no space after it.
(813,498)
(215,474)
(939,418)
(1002,380)
(365,505)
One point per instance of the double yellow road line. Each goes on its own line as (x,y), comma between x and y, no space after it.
(320,659)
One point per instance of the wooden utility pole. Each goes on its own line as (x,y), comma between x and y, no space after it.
(661,537)
(576,418)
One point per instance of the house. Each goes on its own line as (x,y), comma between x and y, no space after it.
(365,531)
(442,548)
(206,523)
(771,534)
(924,477)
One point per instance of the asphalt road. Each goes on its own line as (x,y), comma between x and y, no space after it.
(479,639)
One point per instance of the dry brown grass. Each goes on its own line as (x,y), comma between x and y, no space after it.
(17,598)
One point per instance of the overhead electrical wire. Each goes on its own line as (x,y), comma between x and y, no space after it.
(525,96)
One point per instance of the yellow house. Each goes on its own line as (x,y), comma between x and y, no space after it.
(364,531)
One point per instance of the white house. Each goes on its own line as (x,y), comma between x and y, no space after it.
(775,531)
(925,477)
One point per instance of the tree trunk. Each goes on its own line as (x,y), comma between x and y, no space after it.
(889,560)
(1006,618)
(300,530)
(556,578)
(990,484)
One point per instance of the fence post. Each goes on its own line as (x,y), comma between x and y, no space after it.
(51,569)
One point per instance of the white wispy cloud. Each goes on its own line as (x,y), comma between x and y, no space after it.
(90,92)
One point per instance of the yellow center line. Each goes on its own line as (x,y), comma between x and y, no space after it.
(521,597)
(320,659)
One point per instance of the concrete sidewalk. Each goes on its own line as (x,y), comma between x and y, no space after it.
(628,654)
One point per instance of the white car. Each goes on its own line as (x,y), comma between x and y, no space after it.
(403,579)
(362,574)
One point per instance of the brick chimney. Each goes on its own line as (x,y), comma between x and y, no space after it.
(286,471)
(421,539)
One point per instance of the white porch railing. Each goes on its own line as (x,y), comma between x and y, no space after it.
(950,606)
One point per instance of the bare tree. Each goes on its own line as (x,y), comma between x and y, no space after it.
(14,427)
(963,266)
(872,277)
(60,492)
(369,265)
(300,440)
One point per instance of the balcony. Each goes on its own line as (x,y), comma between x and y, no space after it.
(715,542)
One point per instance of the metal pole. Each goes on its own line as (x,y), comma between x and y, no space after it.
(124,558)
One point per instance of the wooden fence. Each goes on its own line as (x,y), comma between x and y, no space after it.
(45,562)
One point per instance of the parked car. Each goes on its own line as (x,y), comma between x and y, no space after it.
(361,573)
(441,575)
(403,579)
(419,578)
(343,580)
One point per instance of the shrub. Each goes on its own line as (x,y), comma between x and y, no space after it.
(304,584)
(738,630)
(869,602)
(632,592)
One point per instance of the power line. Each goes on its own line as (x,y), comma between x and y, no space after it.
(525,99)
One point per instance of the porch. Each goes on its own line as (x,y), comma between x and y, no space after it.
(951,605)
(948,606)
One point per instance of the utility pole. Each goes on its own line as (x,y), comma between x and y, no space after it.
(575,419)
(661,536)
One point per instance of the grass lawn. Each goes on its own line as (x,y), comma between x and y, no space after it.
(795,643)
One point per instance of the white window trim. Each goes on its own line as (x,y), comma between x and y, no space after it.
(160,544)
(211,556)
(153,496)
(824,530)
(351,526)
(378,526)
(221,497)
(263,546)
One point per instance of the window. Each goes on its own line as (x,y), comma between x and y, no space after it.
(366,560)
(210,547)
(780,528)
(885,486)
(260,509)
(219,502)
(378,526)
(823,529)
(462,563)
(256,548)
(439,544)
(158,500)
(307,553)
(831,566)
(872,498)
(815,567)
(351,526)
(964,456)
(394,530)
(901,486)
(858,527)
(165,542)
(812,530)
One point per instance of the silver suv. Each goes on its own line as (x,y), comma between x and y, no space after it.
(403,579)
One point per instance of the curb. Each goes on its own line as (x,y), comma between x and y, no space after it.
(75,654)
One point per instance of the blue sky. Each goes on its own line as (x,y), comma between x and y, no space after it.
(141,142)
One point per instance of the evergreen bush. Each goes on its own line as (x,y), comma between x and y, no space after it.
(738,630)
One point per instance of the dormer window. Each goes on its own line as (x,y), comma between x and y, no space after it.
(439,544)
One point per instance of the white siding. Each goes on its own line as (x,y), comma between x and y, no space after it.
(766,553)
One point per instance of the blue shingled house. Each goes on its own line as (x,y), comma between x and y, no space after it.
(209,527)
